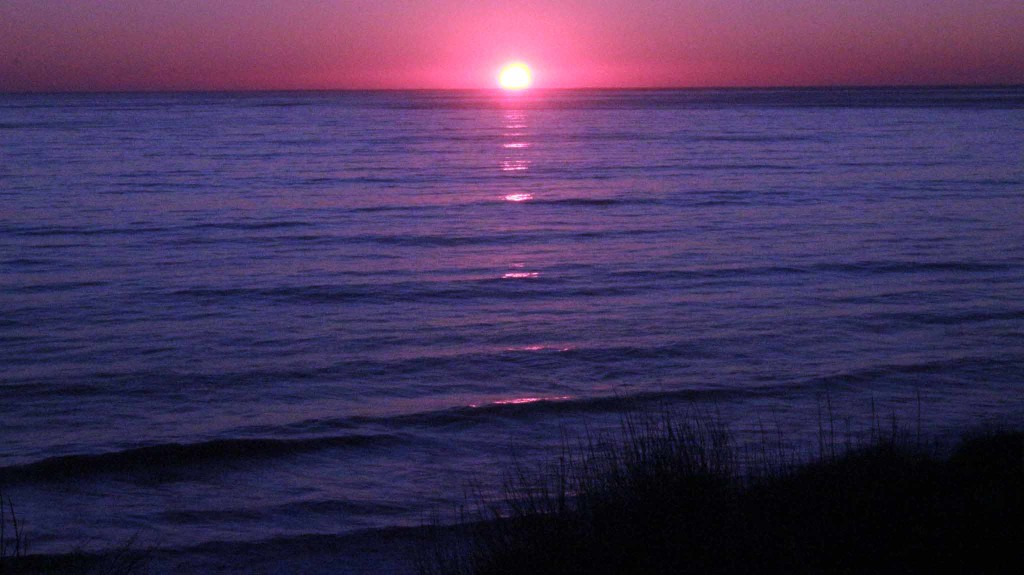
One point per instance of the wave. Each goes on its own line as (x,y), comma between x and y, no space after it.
(176,457)
(525,200)
(859,267)
(954,318)
(1010,366)
(28,262)
(171,461)
(36,125)
(248,225)
(496,288)
(597,202)
(56,287)
(887,267)
(47,231)
(757,139)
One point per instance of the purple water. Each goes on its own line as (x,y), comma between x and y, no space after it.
(249,318)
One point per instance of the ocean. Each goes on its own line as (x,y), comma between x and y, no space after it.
(261,319)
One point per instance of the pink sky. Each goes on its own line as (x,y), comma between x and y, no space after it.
(318,44)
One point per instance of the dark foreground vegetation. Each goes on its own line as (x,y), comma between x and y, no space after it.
(678,496)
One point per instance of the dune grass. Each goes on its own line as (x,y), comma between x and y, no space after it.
(677,495)
(12,535)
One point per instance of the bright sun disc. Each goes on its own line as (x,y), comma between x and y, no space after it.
(515,76)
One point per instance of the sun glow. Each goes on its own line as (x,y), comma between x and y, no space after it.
(515,76)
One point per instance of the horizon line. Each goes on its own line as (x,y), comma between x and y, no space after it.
(499,90)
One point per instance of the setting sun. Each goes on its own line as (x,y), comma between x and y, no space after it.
(515,76)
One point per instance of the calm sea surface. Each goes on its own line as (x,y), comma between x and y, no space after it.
(242,318)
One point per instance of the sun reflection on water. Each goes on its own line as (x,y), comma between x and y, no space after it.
(515,144)
(561,349)
(520,275)
(522,400)
(515,165)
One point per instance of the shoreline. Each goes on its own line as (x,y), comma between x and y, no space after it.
(523,521)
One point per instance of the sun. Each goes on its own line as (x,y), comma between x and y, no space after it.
(515,76)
